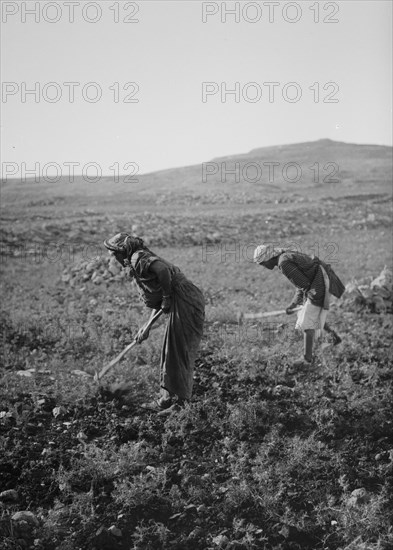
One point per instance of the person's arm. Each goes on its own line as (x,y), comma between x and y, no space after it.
(164,276)
(298,279)
(153,312)
(297,299)
(144,331)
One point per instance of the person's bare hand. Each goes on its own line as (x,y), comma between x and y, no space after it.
(166,304)
(142,334)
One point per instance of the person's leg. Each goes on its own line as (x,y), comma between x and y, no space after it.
(308,346)
(307,321)
(309,336)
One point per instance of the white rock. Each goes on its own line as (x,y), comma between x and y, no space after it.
(80,372)
(26,516)
(358,497)
(28,373)
(58,411)
(10,495)
(115,531)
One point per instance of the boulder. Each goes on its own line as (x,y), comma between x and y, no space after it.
(113,266)
(9,496)
(383,284)
(27,517)
(375,296)
(358,497)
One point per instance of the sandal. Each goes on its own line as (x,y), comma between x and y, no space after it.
(301,364)
(158,404)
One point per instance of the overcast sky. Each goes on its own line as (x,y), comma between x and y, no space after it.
(147,63)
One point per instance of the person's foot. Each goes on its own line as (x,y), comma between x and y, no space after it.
(165,402)
(300,364)
(158,404)
(165,405)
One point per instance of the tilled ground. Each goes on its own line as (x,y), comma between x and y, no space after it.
(104,473)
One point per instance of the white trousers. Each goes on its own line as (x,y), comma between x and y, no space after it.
(311,317)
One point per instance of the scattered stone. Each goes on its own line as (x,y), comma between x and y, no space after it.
(220,540)
(103,539)
(102,271)
(97,280)
(27,517)
(115,531)
(358,497)
(58,411)
(113,266)
(27,373)
(92,266)
(81,436)
(383,283)
(375,296)
(281,390)
(81,373)
(9,496)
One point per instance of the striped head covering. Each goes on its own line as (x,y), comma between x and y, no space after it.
(265,252)
(118,243)
(124,243)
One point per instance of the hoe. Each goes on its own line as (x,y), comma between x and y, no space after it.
(104,370)
(241,317)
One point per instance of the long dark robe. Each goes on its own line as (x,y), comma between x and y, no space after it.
(185,323)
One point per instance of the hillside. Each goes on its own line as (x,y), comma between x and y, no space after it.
(326,166)
(349,186)
(354,164)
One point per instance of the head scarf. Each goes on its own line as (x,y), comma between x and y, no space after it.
(124,243)
(264,253)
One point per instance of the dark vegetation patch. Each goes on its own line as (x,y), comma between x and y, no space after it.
(256,461)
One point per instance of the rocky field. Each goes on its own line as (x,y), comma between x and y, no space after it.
(262,458)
